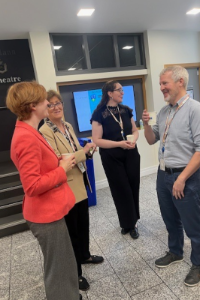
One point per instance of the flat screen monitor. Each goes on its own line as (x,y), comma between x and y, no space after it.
(190,92)
(87,101)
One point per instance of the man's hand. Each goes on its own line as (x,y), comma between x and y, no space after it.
(178,188)
(145,117)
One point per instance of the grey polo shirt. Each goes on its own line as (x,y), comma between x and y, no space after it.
(183,138)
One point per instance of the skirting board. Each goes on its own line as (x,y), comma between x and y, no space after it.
(100,184)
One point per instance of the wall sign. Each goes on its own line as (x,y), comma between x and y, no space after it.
(190,92)
(15,65)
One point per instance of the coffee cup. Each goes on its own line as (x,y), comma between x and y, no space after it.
(66,155)
(130,138)
(152,116)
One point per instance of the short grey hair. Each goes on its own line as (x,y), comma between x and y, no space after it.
(178,72)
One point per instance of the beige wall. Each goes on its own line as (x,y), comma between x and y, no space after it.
(42,59)
(168,47)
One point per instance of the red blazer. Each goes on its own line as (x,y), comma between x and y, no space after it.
(47,197)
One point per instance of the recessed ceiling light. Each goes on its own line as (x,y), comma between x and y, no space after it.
(85,12)
(71,69)
(57,47)
(193,11)
(127,47)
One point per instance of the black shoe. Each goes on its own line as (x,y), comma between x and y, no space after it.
(193,277)
(94,259)
(125,231)
(83,284)
(167,260)
(134,233)
(80,297)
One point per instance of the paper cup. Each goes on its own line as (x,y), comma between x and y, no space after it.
(152,116)
(66,155)
(130,138)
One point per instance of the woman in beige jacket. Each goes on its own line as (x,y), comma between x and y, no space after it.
(62,138)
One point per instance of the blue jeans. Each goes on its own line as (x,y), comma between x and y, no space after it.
(181,213)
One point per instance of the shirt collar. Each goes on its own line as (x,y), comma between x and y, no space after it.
(53,126)
(179,101)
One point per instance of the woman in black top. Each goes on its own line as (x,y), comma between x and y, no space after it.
(111,123)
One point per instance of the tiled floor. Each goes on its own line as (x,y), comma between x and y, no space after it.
(128,271)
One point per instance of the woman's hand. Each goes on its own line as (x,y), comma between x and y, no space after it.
(126,145)
(68,163)
(88,147)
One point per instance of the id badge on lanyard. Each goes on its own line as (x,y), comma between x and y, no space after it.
(80,165)
(162,161)
(162,164)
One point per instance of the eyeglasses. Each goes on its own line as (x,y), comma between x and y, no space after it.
(52,106)
(119,90)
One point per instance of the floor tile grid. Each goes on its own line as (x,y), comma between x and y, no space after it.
(146,289)
(26,276)
(10,271)
(129,270)
(5,268)
(153,194)
(187,244)
(137,252)
(105,255)
(108,276)
(105,258)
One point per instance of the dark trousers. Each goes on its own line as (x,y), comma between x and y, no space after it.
(60,273)
(77,222)
(122,169)
(181,213)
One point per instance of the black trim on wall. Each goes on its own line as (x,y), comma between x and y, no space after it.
(141,54)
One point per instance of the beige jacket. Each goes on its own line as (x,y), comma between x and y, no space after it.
(60,145)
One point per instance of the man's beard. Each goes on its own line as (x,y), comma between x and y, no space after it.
(171,98)
(167,99)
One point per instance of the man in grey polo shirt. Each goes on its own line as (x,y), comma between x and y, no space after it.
(178,181)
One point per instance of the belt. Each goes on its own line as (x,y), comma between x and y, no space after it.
(174,170)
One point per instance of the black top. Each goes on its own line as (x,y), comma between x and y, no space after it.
(111,128)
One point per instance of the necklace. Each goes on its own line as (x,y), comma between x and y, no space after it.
(118,121)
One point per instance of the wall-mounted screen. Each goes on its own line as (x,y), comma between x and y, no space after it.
(190,92)
(86,102)
(135,100)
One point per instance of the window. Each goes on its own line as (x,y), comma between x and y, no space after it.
(70,56)
(89,53)
(126,46)
(101,51)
